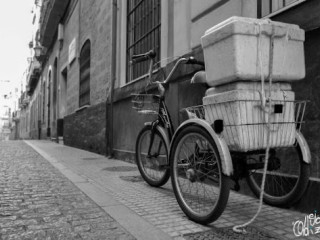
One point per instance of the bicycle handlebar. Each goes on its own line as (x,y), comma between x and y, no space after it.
(192,60)
(151,55)
(143,57)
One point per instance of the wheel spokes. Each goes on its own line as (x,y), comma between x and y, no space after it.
(280,180)
(153,163)
(195,170)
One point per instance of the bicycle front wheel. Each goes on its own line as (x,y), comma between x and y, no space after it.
(287,176)
(152,157)
(200,187)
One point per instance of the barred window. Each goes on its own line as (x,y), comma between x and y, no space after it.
(84,92)
(143,33)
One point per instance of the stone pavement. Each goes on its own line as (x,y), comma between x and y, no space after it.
(38,202)
(153,213)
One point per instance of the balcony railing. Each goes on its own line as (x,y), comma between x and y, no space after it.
(24,100)
(34,75)
(268,8)
(50,16)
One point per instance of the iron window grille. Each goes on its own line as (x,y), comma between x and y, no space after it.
(143,33)
(84,90)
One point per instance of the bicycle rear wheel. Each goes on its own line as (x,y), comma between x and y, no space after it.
(287,176)
(200,187)
(153,167)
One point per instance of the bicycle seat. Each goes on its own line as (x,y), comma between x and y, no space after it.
(199,77)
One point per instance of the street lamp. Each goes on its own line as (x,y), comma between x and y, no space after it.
(36,2)
(37,51)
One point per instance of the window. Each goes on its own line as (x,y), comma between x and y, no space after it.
(272,7)
(84,92)
(143,33)
(64,91)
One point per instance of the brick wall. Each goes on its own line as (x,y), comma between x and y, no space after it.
(85,129)
(96,25)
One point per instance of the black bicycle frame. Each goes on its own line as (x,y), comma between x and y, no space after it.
(164,120)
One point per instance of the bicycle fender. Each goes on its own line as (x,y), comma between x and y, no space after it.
(226,161)
(163,132)
(305,150)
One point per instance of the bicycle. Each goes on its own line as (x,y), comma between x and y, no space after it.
(153,141)
(203,160)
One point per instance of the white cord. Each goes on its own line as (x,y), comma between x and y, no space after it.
(240,228)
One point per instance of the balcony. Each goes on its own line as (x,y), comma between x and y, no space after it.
(40,53)
(51,14)
(24,100)
(33,76)
(304,13)
(15,116)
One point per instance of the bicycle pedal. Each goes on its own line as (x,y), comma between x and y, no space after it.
(164,167)
(236,186)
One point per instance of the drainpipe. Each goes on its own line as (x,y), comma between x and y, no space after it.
(79,29)
(109,127)
(58,79)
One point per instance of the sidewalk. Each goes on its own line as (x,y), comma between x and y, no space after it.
(153,213)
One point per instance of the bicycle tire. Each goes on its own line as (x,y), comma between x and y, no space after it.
(195,161)
(153,170)
(286,185)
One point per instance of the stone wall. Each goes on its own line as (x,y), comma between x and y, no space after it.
(86,128)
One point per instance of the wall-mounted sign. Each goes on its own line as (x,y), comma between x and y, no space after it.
(72,50)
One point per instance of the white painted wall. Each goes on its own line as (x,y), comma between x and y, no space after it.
(193,17)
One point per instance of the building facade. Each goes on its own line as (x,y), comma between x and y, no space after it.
(68,98)
(5,110)
(9,97)
(81,89)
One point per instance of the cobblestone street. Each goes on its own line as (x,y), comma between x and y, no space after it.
(38,202)
(52,191)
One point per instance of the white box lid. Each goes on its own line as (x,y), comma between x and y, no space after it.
(250,26)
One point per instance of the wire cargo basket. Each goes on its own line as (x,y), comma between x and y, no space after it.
(146,103)
(245,123)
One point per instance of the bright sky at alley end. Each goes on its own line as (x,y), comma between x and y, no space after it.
(15,34)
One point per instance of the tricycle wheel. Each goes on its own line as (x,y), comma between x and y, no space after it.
(287,176)
(200,187)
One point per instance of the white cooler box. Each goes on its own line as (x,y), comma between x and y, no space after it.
(245,123)
(231,51)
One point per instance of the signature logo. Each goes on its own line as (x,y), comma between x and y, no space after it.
(309,226)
